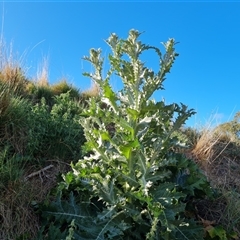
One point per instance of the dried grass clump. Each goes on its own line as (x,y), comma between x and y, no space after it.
(13,77)
(12,72)
(43,74)
(219,157)
(63,87)
(218,154)
(209,146)
(93,91)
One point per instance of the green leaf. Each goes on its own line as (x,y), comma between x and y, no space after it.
(133,113)
(109,97)
(127,148)
(217,231)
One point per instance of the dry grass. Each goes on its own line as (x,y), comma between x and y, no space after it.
(17,215)
(13,77)
(17,218)
(63,87)
(42,79)
(12,70)
(205,150)
(60,87)
(219,157)
(93,91)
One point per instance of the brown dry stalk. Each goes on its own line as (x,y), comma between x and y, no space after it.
(38,172)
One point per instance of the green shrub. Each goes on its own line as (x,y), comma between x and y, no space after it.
(132,185)
(39,92)
(55,132)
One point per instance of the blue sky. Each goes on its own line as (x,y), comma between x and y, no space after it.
(205,76)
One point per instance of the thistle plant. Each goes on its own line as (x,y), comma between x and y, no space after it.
(132,184)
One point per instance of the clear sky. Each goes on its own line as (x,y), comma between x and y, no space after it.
(205,76)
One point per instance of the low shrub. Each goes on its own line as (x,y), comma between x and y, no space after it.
(55,131)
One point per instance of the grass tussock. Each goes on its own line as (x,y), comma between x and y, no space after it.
(12,70)
(93,91)
(207,148)
(217,153)
(63,87)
